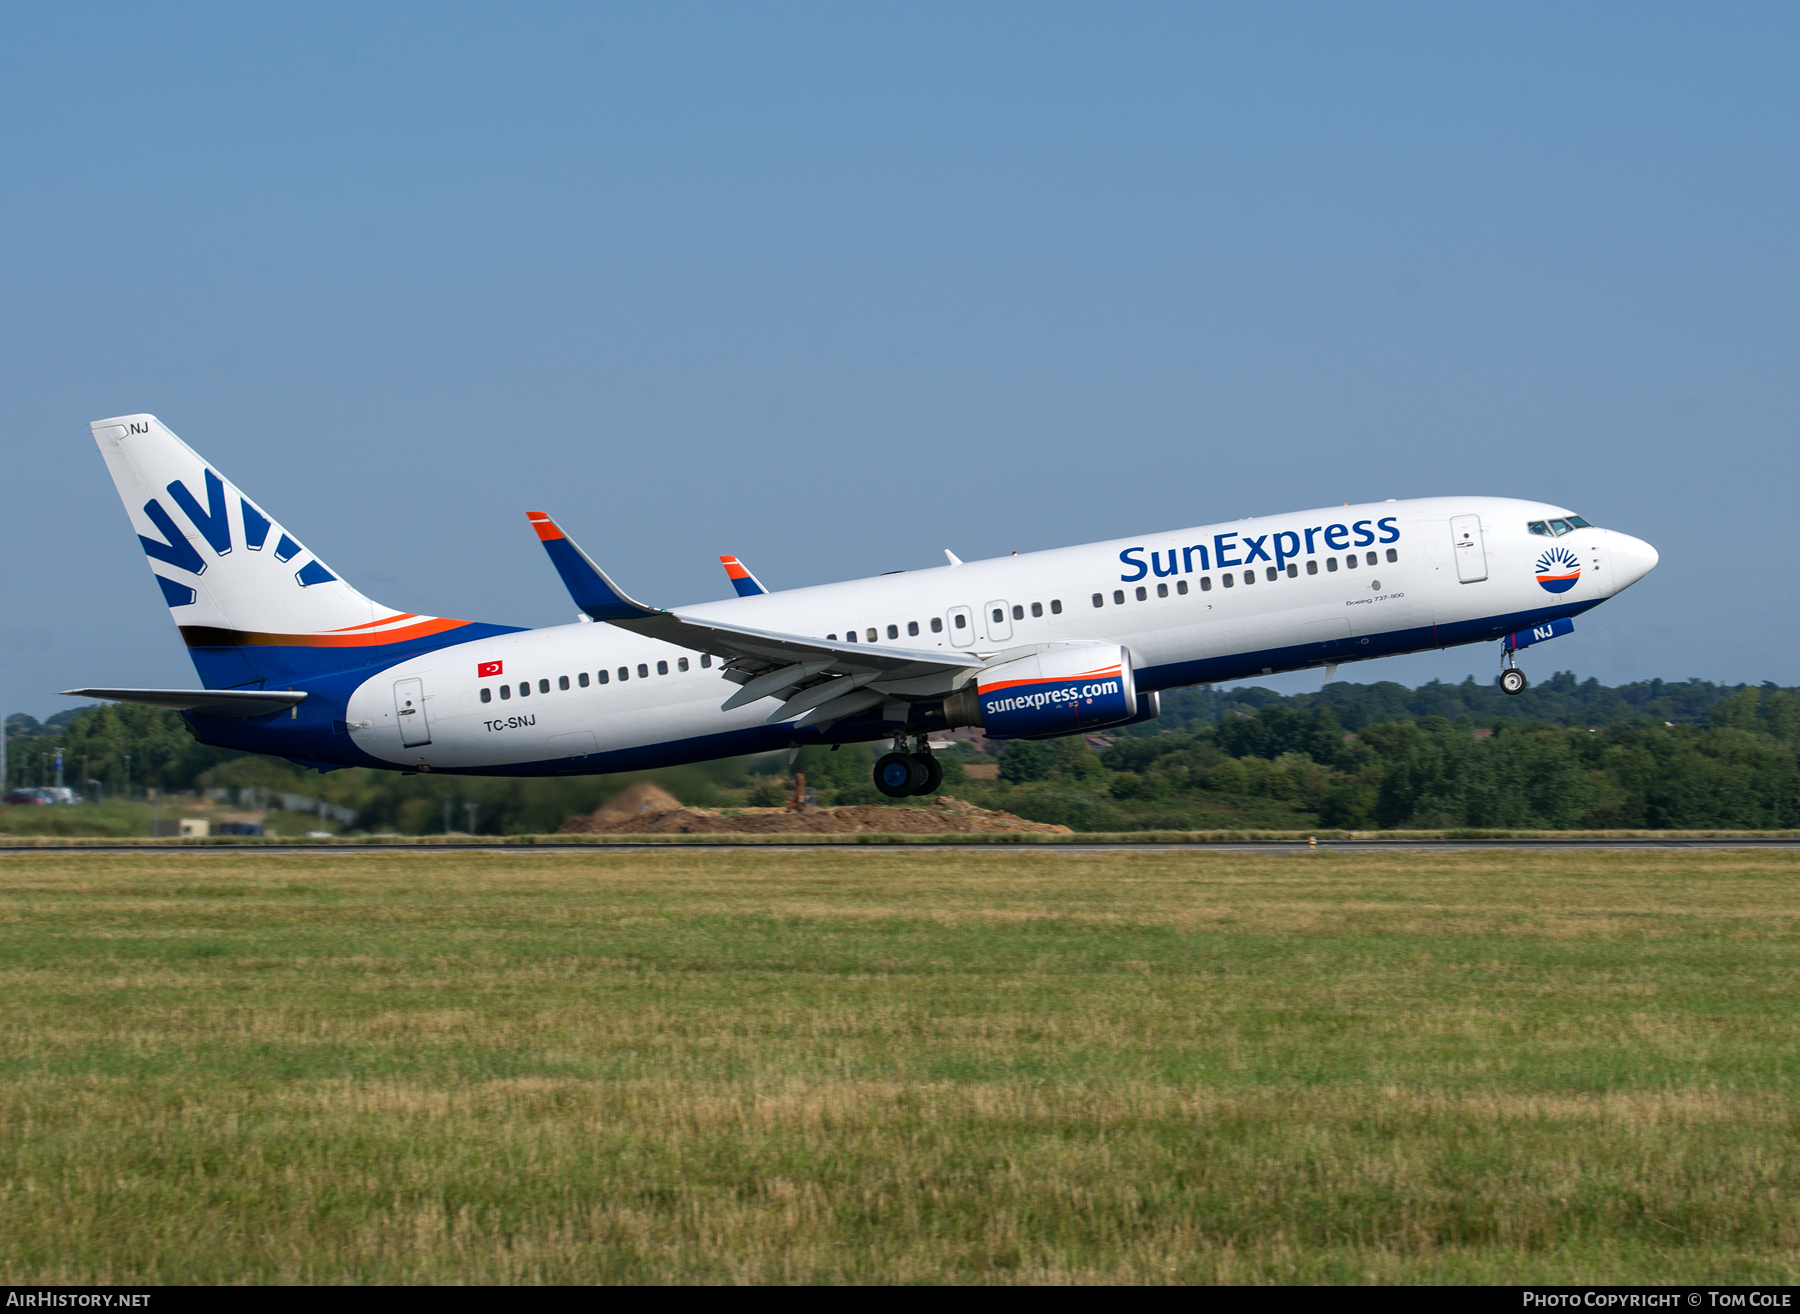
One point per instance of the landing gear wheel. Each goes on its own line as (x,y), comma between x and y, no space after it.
(934,773)
(1513,680)
(897,775)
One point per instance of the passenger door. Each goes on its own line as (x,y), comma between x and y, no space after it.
(409,711)
(994,616)
(1471,555)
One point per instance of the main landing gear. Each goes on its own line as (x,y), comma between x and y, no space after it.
(901,774)
(1512,679)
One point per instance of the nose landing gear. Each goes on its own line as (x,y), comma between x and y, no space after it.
(1512,679)
(901,774)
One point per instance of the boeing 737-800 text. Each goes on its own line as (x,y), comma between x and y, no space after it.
(297,663)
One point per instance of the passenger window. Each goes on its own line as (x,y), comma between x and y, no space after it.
(582,679)
(624,674)
(1206,583)
(1162,590)
(681,664)
(962,621)
(662,668)
(1018,612)
(1037,609)
(1579,523)
(505,692)
(706,661)
(487,695)
(1056,606)
(562,682)
(1330,563)
(912,627)
(1371,558)
(999,615)
(871,634)
(1539,527)
(1228,580)
(605,677)
(1559,527)
(1118,597)
(937,624)
(1141,594)
(1099,601)
(1312,567)
(1393,554)
(1270,574)
(832,637)
(543,686)
(525,689)
(644,670)
(1350,561)
(1249,577)
(1181,587)
(849,636)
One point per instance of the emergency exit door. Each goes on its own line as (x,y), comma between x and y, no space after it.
(1465,542)
(999,627)
(409,711)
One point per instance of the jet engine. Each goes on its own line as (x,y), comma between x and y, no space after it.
(1084,686)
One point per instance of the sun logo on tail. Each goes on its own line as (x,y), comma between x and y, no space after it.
(1558,570)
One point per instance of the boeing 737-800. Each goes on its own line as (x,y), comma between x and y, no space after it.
(295,662)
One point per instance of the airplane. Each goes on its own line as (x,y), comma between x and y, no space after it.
(294,661)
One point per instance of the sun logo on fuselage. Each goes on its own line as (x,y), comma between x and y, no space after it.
(1558,570)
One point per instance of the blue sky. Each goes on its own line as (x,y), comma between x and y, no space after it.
(835,287)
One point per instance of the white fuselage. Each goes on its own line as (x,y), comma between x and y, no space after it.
(1419,592)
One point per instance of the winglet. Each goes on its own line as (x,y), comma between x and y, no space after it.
(746,584)
(593,592)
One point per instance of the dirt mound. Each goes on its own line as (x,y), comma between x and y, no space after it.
(942,816)
(632,801)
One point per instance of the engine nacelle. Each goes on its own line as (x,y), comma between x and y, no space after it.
(1085,686)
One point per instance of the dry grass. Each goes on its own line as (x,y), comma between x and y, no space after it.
(860,1065)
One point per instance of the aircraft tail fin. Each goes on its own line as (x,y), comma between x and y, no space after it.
(254,605)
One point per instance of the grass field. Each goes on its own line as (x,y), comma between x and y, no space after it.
(921,1065)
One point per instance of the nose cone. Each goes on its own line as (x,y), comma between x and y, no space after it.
(1632,559)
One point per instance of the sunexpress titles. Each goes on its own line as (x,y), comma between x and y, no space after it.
(1277,547)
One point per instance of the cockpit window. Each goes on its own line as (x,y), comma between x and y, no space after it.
(1539,527)
(1579,523)
(1559,527)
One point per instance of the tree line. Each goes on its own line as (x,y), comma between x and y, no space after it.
(1567,754)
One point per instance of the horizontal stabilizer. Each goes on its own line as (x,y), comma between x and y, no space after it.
(211,702)
(746,584)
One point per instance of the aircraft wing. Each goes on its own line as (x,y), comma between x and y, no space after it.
(213,702)
(819,680)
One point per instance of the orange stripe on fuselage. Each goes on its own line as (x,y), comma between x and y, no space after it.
(208,637)
(391,620)
(1054,679)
